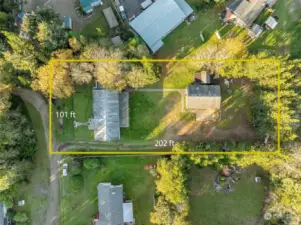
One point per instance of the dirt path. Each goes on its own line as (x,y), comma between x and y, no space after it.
(52,215)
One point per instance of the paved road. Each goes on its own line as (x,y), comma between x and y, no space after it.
(37,100)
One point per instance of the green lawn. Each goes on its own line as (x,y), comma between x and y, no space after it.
(186,38)
(241,207)
(97,28)
(81,103)
(79,208)
(150,114)
(35,193)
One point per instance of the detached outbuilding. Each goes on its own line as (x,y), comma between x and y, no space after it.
(110,17)
(158,20)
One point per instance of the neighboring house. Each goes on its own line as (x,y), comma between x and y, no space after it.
(67,23)
(243,13)
(3,219)
(110,17)
(203,98)
(110,112)
(88,5)
(158,20)
(111,208)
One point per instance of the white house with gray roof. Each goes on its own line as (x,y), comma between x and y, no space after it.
(158,20)
(111,208)
(110,112)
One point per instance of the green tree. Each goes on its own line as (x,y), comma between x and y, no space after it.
(21,217)
(92,163)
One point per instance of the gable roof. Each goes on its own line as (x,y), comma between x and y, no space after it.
(247,10)
(110,204)
(203,97)
(110,17)
(105,122)
(3,219)
(159,19)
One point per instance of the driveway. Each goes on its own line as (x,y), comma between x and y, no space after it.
(37,100)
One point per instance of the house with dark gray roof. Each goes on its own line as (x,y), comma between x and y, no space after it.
(110,112)
(111,208)
(3,219)
(158,20)
(203,98)
(243,13)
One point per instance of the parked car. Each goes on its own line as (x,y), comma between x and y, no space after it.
(65,169)
(122,12)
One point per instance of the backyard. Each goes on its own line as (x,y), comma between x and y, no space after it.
(80,207)
(242,206)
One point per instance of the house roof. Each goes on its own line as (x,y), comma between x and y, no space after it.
(247,10)
(105,122)
(110,17)
(203,97)
(87,5)
(202,77)
(159,19)
(110,204)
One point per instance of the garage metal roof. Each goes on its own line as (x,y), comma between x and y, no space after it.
(159,19)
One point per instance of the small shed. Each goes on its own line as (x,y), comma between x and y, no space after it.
(255,31)
(271,22)
(67,23)
(110,17)
(116,41)
(202,78)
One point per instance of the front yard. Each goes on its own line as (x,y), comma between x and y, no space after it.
(240,207)
(80,207)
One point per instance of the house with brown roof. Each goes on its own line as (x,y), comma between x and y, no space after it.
(243,13)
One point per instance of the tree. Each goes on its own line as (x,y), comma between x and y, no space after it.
(22,54)
(171,181)
(81,74)
(21,217)
(91,163)
(75,44)
(62,86)
(3,20)
(162,213)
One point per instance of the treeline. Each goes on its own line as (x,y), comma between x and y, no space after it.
(284,196)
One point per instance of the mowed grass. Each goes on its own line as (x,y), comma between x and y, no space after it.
(81,103)
(150,114)
(35,192)
(186,38)
(80,208)
(241,207)
(97,28)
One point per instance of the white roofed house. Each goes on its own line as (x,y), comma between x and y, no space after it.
(111,207)
(110,112)
(158,20)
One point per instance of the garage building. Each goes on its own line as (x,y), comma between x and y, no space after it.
(159,19)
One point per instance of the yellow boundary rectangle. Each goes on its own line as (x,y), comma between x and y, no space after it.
(161,153)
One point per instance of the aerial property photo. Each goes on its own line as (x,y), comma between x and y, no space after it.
(150,112)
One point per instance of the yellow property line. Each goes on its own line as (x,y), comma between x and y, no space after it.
(52,61)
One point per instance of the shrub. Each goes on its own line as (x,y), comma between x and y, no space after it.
(92,163)
(21,217)
(76,183)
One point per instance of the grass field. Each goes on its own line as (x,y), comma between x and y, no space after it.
(35,193)
(81,103)
(150,114)
(241,207)
(97,28)
(80,208)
